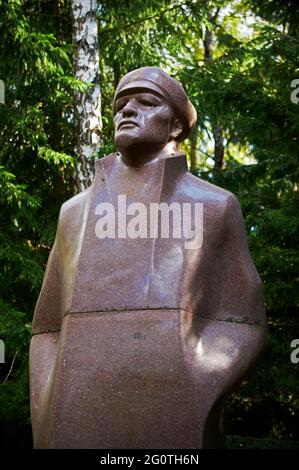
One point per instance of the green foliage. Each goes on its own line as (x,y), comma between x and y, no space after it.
(270,395)
(255,109)
(36,144)
(14,399)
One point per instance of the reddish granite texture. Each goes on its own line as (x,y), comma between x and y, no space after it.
(136,342)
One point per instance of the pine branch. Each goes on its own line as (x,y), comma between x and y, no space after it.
(142,20)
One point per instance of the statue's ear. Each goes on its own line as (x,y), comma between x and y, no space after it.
(176,128)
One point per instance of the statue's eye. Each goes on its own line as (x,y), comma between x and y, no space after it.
(147,102)
(120,105)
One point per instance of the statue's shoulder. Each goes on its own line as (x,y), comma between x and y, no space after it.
(73,209)
(219,205)
(75,204)
(209,193)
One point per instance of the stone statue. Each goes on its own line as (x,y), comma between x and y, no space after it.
(151,310)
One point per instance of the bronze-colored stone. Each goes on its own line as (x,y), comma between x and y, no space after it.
(137,341)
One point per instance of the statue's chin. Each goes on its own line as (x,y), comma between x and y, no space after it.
(125,139)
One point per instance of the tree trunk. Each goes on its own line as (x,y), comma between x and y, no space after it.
(216,129)
(88,110)
(193,151)
(208,45)
(219,148)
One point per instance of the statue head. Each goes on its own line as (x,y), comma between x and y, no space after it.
(152,114)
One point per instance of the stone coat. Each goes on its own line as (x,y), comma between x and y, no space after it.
(136,342)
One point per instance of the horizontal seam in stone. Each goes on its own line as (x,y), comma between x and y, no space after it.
(121,310)
(45,332)
(237,321)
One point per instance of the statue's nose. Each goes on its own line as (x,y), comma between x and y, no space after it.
(130,109)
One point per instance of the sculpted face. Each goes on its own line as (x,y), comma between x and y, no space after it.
(143,117)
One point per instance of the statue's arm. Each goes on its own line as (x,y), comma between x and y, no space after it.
(228,344)
(242,296)
(225,346)
(236,343)
(46,331)
(43,353)
(241,338)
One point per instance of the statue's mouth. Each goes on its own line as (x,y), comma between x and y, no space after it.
(127,122)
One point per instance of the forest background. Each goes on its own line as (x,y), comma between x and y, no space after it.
(239,62)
